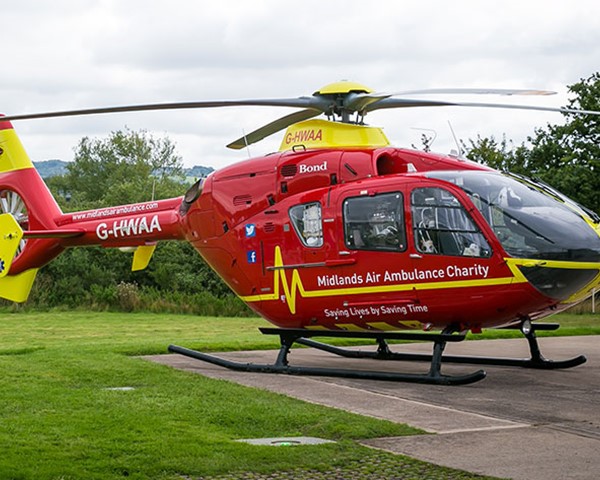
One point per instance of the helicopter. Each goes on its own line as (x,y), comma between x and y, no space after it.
(339,234)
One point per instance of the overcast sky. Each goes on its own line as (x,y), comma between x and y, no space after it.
(68,54)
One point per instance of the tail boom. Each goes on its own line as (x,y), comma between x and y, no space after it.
(111,228)
(34,230)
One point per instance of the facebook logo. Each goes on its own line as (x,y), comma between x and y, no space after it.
(251,254)
(250,230)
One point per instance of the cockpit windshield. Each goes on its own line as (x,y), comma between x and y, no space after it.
(530,219)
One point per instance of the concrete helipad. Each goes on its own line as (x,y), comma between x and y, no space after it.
(516,423)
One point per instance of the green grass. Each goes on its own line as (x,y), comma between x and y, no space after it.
(59,418)
(570,325)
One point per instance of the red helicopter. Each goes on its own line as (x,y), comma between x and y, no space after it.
(339,234)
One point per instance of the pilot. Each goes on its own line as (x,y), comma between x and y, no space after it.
(384,230)
(426,228)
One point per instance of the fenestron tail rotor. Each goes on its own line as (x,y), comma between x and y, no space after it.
(339,101)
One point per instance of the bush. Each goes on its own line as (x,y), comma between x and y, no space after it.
(176,281)
(128,296)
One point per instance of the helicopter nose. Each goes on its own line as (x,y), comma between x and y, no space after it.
(563,281)
(573,273)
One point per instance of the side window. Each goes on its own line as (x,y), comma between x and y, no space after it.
(375,222)
(307,222)
(442,226)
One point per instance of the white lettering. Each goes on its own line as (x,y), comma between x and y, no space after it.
(339,280)
(129,227)
(338,312)
(477,270)
(313,168)
(393,310)
(101,231)
(155,224)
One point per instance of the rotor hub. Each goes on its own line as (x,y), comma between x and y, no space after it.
(343,87)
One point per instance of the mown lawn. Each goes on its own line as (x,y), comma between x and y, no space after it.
(64,412)
(570,325)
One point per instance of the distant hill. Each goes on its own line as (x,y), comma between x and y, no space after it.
(198,171)
(51,168)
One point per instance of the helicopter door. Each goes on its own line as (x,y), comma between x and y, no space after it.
(372,238)
(449,253)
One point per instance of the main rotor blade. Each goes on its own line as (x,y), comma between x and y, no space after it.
(317,103)
(273,127)
(477,91)
(357,102)
(406,103)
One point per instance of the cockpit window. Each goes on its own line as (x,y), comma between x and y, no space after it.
(530,221)
(442,226)
(375,222)
(308,224)
(561,197)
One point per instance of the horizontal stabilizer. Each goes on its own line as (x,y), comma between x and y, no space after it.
(10,238)
(53,233)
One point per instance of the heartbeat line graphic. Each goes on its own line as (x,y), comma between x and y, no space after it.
(289,291)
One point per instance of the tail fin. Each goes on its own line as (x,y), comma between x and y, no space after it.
(25,204)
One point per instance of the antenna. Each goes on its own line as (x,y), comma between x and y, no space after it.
(460,151)
(246,143)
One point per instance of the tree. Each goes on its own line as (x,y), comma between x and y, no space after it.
(126,167)
(568,156)
(503,155)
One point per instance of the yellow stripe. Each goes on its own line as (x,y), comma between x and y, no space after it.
(381,326)
(13,156)
(553,264)
(411,324)
(584,292)
(295,287)
(351,327)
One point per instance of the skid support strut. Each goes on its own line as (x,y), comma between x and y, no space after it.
(290,336)
(537,360)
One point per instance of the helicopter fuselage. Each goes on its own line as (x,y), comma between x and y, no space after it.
(370,239)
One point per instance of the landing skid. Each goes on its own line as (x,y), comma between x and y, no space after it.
(433,377)
(290,336)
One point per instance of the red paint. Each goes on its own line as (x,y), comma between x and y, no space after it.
(4,124)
